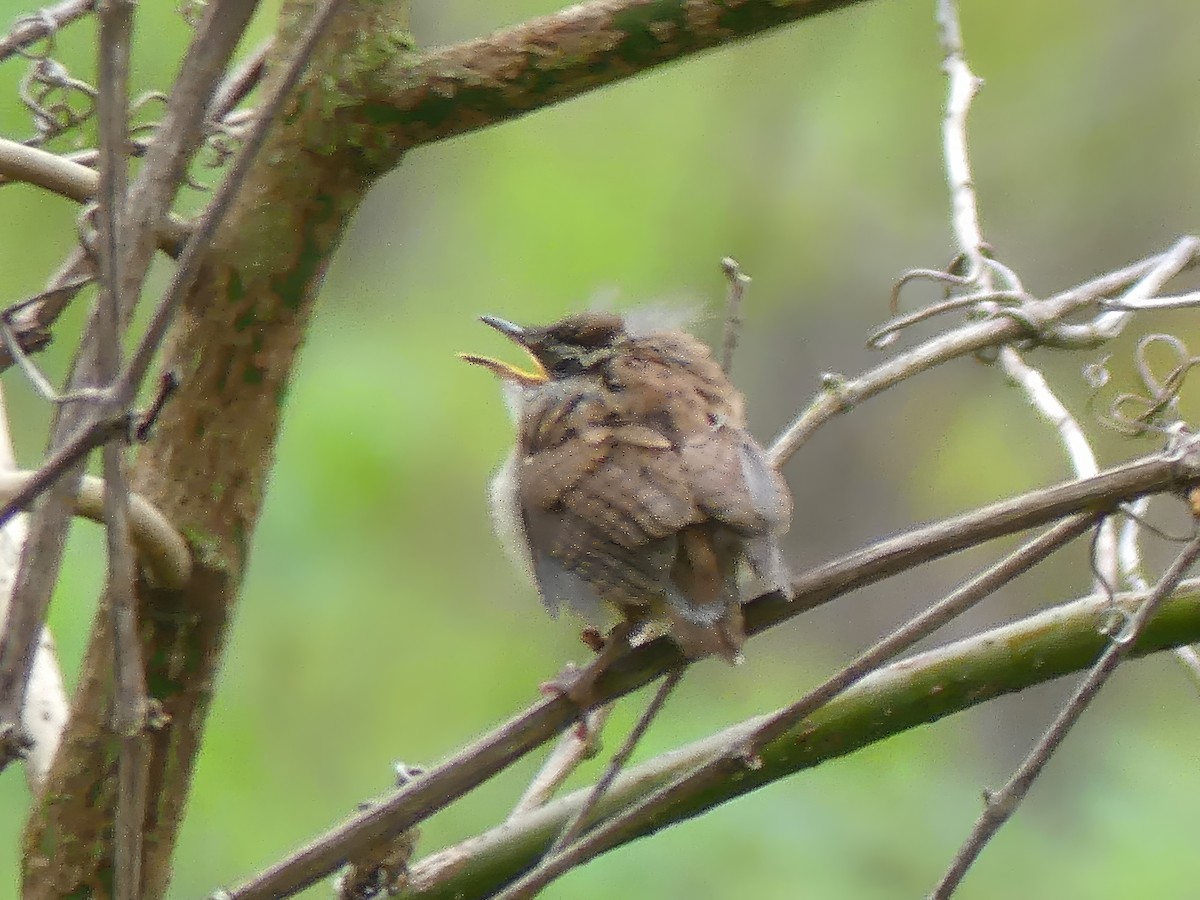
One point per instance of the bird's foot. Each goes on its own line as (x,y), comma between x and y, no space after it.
(579,684)
(575,683)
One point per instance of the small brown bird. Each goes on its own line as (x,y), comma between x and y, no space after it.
(634,483)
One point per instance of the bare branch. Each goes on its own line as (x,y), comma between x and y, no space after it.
(61,176)
(747,753)
(1181,301)
(162,551)
(1000,806)
(188,268)
(496,750)
(553,58)
(1109,324)
(917,690)
(963,86)
(77,432)
(738,281)
(20,162)
(573,828)
(45,711)
(240,82)
(573,747)
(840,395)
(129,700)
(28,30)
(179,133)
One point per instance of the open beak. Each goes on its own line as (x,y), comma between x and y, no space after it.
(507,371)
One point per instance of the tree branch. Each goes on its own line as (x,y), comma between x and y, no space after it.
(916,691)
(999,806)
(518,70)
(495,751)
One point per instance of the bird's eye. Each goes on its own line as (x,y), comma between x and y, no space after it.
(566,367)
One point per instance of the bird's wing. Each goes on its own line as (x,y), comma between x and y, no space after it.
(738,487)
(602,501)
(734,483)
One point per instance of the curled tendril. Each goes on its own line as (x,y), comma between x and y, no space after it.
(142,102)
(1156,408)
(888,331)
(935,275)
(1011,295)
(1008,277)
(223,140)
(58,101)
(43,47)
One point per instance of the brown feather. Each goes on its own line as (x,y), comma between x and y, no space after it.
(639,485)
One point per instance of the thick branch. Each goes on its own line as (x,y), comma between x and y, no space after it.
(241,324)
(512,740)
(518,70)
(915,691)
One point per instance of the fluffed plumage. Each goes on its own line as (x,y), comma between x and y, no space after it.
(635,483)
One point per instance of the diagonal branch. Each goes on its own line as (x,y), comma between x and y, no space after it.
(28,30)
(917,690)
(746,754)
(1000,805)
(498,749)
(840,395)
(515,71)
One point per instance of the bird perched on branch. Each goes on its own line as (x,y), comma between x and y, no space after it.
(634,484)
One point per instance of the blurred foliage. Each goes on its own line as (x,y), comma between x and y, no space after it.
(380,619)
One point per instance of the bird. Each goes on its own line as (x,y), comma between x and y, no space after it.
(634,490)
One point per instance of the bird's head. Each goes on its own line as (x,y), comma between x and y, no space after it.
(565,349)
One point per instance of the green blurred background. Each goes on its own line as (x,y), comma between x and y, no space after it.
(380,620)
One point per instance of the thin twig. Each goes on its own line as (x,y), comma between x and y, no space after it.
(87,439)
(737,283)
(56,481)
(94,433)
(1110,323)
(59,175)
(1079,451)
(499,748)
(1129,556)
(179,134)
(886,333)
(129,694)
(840,394)
(963,85)
(197,247)
(573,828)
(913,691)
(45,711)
(28,30)
(77,430)
(633,819)
(162,551)
(37,380)
(573,747)
(1179,301)
(1000,805)
(238,84)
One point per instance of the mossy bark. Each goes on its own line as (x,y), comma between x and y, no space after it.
(365,100)
(234,345)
